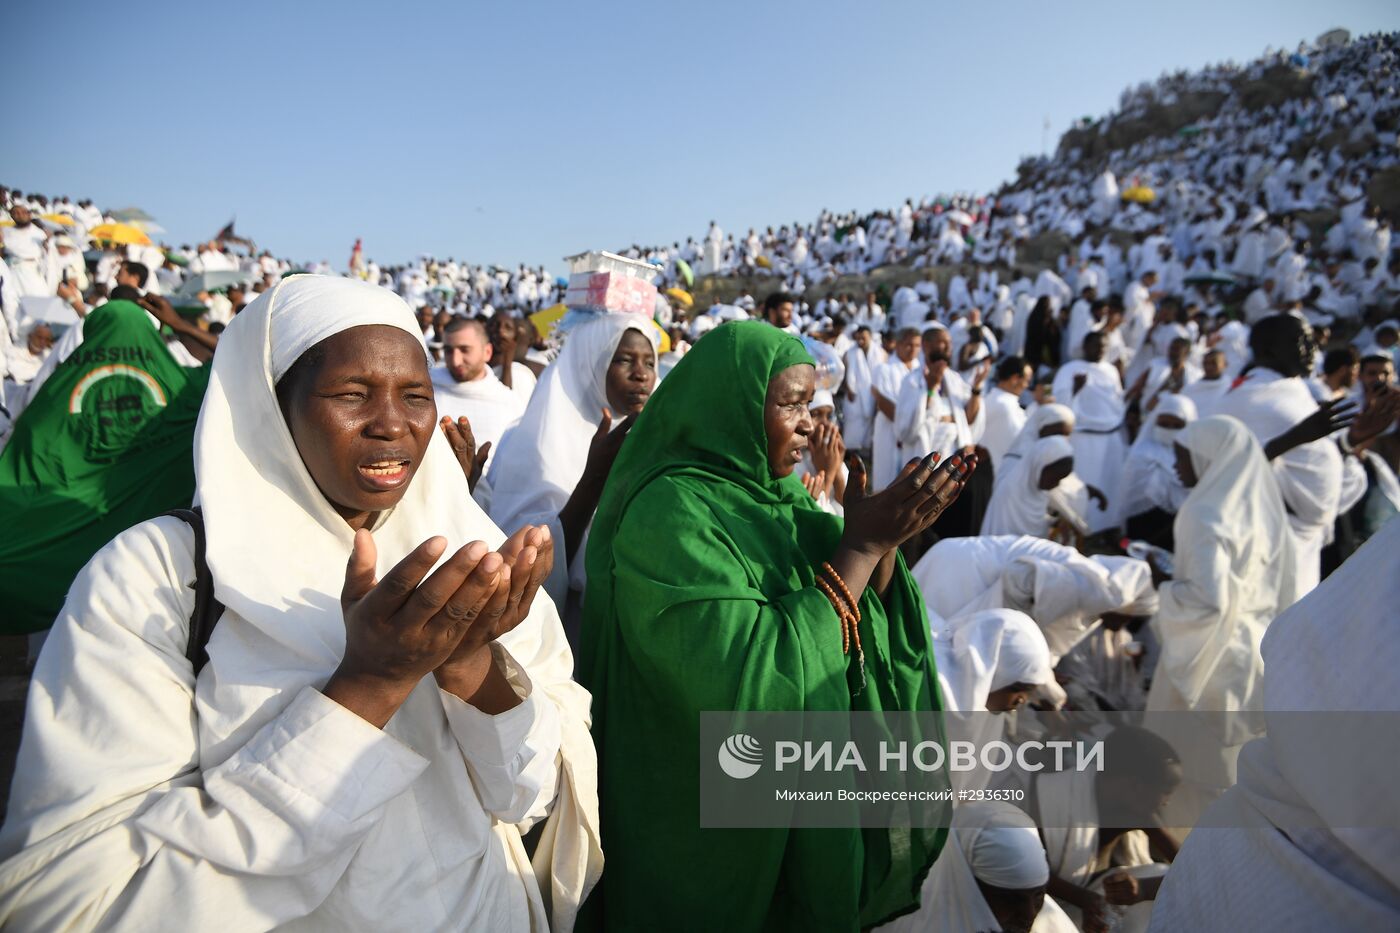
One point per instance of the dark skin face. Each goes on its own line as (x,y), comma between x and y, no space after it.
(504,335)
(362,417)
(1015,910)
(1055,473)
(1093,347)
(1289,352)
(1185,469)
(1213,365)
(1176,353)
(631,375)
(1175,422)
(787,421)
(1008,698)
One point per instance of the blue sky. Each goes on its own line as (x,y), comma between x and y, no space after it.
(519,130)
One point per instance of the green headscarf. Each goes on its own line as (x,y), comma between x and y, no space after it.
(107,443)
(701,596)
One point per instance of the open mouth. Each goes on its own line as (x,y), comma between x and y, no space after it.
(385,473)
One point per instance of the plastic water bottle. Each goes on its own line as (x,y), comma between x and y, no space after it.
(831,371)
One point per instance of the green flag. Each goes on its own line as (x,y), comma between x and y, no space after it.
(106,443)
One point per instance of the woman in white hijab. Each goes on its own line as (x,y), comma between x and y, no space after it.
(1233,574)
(350,745)
(1152,493)
(1307,839)
(550,468)
(1043,421)
(1021,501)
(990,660)
(990,876)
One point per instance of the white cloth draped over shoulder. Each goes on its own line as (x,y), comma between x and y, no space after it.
(1233,574)
(1315,482)
(857,403)
(1040,418)
(145,798)
(541,459)
(1018,505)
(487,403)
(1267,871)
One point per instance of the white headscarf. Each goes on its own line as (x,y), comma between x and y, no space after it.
(1018,505)
(541,459)
(987,651)
(1234,514)
(277,551)
(1149,477)
(992,842)
(1041,418)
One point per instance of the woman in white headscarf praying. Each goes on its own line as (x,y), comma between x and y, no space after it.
(549,468)
(1233,573)
(1152,492)
(1021,502)
(386,706)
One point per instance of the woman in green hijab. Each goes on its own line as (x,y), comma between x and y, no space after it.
(706,591)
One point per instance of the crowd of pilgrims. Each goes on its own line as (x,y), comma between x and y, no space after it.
(1117,483)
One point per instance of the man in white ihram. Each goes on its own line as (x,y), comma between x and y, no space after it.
(466,387)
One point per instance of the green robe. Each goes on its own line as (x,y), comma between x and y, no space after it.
(107,442)
(701,596)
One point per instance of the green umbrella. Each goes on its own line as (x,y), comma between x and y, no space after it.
(177,259)
(683,268)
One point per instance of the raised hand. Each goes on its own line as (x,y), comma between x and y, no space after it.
(911,504)
(828,449)
(1381,412)
(604,447)
(463,443)
(814,483)
(1331,416)
(1097,495)
(399,629)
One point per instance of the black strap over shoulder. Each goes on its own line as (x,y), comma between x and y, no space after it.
(207,609)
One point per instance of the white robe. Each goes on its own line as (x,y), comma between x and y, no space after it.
(887,380)
(1313,477)
(1004,420)
(934,421)
(1272,865)
(541,459)
(1234,571)
(1018,505)
(486,402)
(1100,450)
(146,798)
(857,404)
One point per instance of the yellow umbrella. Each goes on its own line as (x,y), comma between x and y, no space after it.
(125,234)
(546,319)
(664,345)
(764,262)
(63,220)
(1140,194)
(682,296)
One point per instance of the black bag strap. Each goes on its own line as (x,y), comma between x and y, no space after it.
(207,609)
